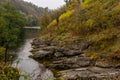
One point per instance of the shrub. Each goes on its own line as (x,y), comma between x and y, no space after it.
(115,56)
(9,73)
(53,23)
(66,15)
(2,51)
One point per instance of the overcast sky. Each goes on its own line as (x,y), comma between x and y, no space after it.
(51,4)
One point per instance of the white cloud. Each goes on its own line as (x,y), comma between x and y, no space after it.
(52,4)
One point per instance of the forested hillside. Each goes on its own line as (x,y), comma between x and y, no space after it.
(26,7)
(32,12)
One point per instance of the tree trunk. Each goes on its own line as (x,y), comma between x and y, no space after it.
(6,51)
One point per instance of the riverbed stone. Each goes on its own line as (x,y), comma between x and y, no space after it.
(71,62)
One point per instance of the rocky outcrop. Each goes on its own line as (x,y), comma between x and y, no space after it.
(71,63)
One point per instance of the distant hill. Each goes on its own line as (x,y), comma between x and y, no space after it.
(32,12)
(27,7)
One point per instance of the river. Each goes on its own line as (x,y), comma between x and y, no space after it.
(29,68)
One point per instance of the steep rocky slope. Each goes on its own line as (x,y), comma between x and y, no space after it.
(83,43)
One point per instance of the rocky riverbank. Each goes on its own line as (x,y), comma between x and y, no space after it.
(70,63)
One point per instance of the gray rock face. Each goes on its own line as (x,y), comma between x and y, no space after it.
(72,62)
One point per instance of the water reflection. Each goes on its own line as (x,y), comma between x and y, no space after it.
(28,66)
(31,33)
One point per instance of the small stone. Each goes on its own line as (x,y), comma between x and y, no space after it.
(58,54)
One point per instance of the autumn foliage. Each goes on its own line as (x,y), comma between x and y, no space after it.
(95,21)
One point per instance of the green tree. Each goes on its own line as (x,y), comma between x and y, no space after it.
(11,27)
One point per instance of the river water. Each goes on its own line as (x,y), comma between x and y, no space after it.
(29,68)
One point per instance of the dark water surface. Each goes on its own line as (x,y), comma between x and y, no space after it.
(28,67)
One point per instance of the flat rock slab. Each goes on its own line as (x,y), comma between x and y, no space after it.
(90,74)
